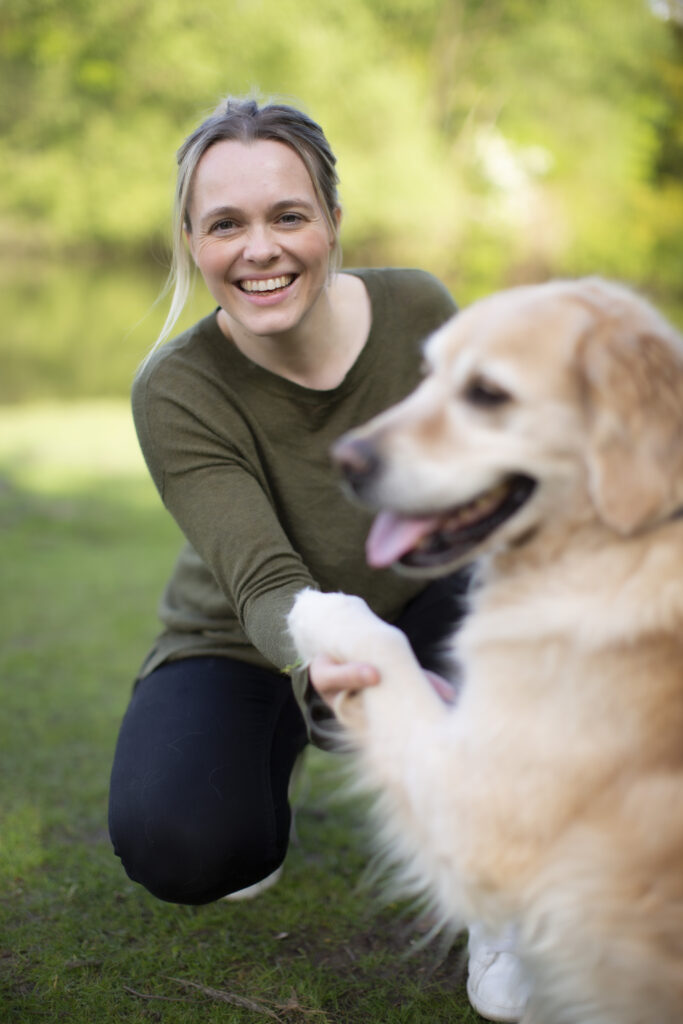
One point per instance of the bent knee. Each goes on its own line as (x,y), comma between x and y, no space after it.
(179,866)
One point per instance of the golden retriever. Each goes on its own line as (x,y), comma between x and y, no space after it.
(546,442)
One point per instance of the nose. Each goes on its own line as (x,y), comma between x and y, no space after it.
(358,460)
(261,245)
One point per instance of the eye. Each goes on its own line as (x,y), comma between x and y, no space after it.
(224,225)
(485,394)
(290,219)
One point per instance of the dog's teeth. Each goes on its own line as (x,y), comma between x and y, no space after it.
(476,509)
(455,521)
(462,517)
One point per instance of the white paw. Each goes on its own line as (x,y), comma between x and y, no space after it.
(340,626)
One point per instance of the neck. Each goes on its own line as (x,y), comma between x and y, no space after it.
(319,350)
(596,587)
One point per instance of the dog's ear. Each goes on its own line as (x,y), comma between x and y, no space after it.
(631,364)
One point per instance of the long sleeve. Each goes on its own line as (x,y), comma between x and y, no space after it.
(214,493)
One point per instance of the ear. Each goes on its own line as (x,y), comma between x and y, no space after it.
(632,372)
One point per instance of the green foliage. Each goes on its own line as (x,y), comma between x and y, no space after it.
(518,137)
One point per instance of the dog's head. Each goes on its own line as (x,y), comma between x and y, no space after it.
(541,404)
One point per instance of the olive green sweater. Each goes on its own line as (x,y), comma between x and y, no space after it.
(240,458)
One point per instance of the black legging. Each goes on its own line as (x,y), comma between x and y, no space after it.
(198,804)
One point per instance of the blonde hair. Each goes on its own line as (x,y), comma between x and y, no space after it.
(243,120)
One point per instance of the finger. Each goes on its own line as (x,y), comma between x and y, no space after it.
(331,677)
(346,676)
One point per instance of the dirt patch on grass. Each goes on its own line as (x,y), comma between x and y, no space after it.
(380,950)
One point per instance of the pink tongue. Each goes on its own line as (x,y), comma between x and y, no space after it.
(392,536)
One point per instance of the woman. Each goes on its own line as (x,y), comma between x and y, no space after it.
(235,419)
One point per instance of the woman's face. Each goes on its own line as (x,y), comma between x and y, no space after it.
(259,236)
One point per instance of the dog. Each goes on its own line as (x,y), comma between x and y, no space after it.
(545,444)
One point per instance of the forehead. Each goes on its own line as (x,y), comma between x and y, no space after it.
(242,173)
(527,330)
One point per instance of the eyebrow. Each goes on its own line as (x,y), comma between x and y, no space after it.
(235,211)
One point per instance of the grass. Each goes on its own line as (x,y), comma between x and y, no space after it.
(85,548)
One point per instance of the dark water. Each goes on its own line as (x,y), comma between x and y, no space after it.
(72,331)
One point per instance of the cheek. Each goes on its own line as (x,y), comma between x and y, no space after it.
(317,249)
(214,267)
(206,258)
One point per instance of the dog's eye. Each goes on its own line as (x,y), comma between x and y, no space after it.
(485,394)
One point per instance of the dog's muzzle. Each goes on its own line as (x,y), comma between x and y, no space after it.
(358,462)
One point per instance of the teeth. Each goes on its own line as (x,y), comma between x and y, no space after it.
(476,509)
(270,284)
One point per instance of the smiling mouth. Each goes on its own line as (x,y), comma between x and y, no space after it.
(427,542)
(266,286)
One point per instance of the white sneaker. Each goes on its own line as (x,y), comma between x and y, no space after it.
(497,986)
(251,891)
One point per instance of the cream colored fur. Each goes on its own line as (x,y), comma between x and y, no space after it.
(551,795)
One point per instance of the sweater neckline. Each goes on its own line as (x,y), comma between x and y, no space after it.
(275,384)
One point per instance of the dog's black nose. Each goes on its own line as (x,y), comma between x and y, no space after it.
(358,461)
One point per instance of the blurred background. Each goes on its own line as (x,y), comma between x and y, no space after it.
(490,142)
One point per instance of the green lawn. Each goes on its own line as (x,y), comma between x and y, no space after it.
(85,547)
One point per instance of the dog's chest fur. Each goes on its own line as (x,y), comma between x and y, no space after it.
(567,698)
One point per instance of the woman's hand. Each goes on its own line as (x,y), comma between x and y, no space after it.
(330,678)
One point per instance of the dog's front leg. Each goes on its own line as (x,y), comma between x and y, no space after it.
(345,629)
(401,731)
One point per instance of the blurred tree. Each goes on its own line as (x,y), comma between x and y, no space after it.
(497,140)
